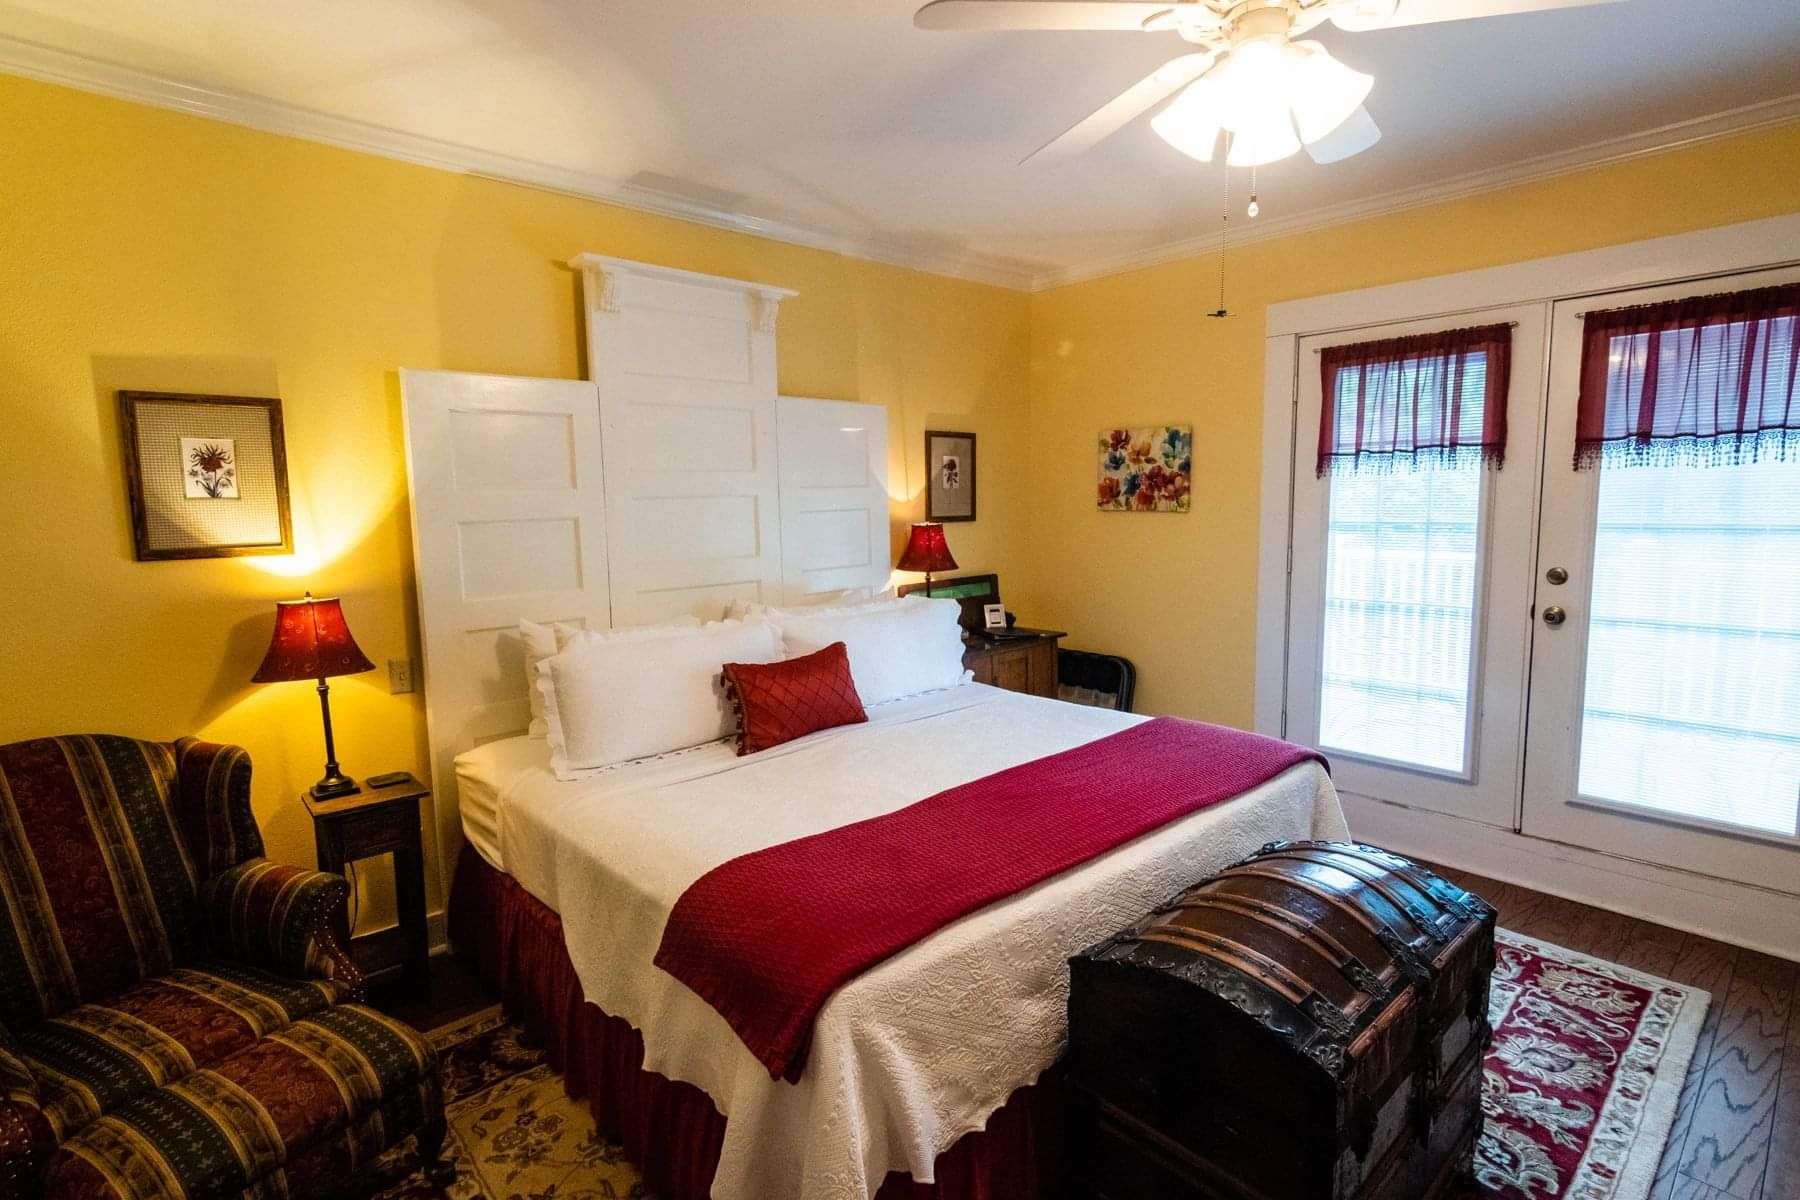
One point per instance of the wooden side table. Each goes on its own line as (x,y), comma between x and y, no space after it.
(1018,664)
(380,821)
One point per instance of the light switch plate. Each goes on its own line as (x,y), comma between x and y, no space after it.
(400,675)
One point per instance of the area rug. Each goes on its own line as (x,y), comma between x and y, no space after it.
(1579,1092)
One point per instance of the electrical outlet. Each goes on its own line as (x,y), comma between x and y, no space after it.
(400,675)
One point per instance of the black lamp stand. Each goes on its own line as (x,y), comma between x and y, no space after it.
(335,782)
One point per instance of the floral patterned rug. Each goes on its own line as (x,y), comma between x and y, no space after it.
(1580,1086)
(1579,1092)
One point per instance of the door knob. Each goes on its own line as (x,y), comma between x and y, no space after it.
(1554,615)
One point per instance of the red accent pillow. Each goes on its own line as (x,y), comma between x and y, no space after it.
(780,701)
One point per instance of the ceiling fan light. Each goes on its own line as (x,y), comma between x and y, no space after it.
(1266,141)
(1324,92)
(1190,122)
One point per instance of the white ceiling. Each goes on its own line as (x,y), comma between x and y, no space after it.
(838,118)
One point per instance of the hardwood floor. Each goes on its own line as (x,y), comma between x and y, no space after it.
(1737,1129)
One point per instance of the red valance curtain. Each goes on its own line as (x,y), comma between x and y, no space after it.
(1434,396)
(1703,380)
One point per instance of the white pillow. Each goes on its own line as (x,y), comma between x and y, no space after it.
(544,641)
(899,649)
(633,693)
(861,597)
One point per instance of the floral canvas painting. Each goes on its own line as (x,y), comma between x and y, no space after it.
(210,468)
(1147,469)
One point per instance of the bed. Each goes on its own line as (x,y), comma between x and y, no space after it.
(913,1054)
(671,485)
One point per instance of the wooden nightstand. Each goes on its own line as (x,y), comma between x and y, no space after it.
(379,821)
(1018,664)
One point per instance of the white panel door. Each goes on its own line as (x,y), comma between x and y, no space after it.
(1665,670)
(1409,628)
(509,521)
(834,497)
(685,366)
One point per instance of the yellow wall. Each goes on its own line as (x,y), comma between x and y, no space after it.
(1177,593)
(144,249)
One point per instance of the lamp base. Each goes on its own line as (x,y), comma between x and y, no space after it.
(334,784)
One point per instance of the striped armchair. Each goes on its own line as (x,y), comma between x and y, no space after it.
(177,1016)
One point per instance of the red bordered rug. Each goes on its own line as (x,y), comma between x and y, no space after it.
(1581,1084)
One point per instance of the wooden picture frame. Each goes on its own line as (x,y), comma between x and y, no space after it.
(205,476)
(950,477)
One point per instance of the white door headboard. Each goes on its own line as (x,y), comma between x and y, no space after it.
(685,364)
(834,497)
(509,521)
(672,483)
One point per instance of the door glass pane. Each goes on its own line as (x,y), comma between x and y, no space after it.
(1692,702)
(1400,588)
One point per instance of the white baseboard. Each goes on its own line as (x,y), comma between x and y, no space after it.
(1759,918)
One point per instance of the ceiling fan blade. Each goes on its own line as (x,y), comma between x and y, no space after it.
(1358,16)
(1356,134)
(1122,109)
(976,15)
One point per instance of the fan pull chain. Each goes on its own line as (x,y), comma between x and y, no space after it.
(1254,208)
(1224,240)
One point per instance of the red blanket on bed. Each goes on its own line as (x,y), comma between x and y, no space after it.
(767,937)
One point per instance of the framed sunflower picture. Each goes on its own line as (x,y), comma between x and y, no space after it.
(1146,469)
(205,476)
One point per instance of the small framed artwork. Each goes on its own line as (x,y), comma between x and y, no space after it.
(993,616)
(206,476)
(1146,469)
(950,488)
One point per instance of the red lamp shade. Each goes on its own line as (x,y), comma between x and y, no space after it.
(926,550)
(311,642)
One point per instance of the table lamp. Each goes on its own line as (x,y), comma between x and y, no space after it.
(311,641)
(927,551)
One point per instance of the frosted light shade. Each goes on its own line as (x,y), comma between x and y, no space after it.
(1272,95)
(1323,91)
(1268,140)
(1190,122)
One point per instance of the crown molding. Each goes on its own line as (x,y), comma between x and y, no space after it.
(271,116)
(1660,140)
(239,108)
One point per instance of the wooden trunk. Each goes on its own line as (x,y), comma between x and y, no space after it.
(1308,1024)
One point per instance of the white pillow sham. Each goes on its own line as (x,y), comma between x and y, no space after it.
(847,598)
(544,641)
(898,649)
(634,693)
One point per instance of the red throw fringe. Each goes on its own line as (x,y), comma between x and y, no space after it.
(670,1129)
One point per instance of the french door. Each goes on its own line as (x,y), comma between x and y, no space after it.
(1665,667)
(1606,657)
(1410,632)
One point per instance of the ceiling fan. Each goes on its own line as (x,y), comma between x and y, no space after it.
(1248,77)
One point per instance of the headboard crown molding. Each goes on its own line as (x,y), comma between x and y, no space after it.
(610,269)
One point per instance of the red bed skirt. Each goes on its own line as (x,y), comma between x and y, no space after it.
(670,1129)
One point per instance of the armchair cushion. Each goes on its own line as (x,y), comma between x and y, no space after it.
(96,1057)
(280,918)
(297,1114)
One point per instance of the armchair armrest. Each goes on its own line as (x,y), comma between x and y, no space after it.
(281,918)
(25,1136)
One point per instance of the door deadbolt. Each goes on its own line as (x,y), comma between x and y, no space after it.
(1554,615)
(1557,575)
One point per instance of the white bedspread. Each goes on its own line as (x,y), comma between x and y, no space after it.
(920,1049)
